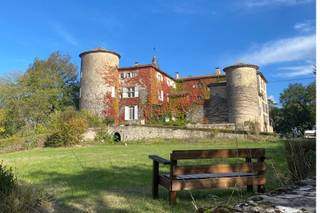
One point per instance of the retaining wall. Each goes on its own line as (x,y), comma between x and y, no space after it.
(128,133)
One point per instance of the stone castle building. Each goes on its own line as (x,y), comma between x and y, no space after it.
(143,92)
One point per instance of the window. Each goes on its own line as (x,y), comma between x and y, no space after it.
(131,74)
(131,92)
(160,95)
(266,108)
(159,76)
(124,93)
(122,75)
(131,113)
(197,85)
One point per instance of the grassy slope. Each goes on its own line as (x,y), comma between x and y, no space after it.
(118,178)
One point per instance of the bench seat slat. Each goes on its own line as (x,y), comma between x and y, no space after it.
(217,153)
(221,182)
(220,168)
(210,175)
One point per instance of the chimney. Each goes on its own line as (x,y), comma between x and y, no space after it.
(218,71)
(177,75)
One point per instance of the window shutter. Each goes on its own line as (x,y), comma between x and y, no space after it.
(113,92)
(136,92)
(126,113)
(136,115)
(125,93)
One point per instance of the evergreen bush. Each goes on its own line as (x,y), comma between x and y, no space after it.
(8,181)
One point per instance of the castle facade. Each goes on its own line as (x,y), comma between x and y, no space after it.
(142,93)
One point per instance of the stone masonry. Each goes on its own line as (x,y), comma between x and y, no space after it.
(143,92)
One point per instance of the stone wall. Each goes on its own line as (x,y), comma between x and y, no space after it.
(196,114)
(226,126)
(136,132)
(242,93)
(98,78)
(216,108)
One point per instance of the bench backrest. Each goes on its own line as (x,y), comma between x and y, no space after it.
(247,154)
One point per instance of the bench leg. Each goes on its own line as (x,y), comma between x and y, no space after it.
(172,197)
(155,180)
(261,189)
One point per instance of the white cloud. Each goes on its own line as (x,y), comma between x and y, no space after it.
(272,98)
(64,34)
(195,8)
(264,3)
(186,9)
(295,71)
(304,27)
(282,50)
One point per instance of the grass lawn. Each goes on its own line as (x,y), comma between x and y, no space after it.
(117,178)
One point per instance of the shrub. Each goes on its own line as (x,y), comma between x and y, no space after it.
(92,120)
(68,128)
(301,158)
(40,129)
(27,199)
(7,180)
(108,121)
(103,136)
(16,198)
(252,126)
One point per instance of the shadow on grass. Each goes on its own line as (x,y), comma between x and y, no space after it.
(106,189)
(121,188)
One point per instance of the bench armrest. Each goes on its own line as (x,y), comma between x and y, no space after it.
(159,159)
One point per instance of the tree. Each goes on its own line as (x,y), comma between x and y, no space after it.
(47,86)
(298,109)
(276,118)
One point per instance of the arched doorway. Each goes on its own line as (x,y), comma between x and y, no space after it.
(117,137)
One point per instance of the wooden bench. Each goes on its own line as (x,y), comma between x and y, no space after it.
(249,173)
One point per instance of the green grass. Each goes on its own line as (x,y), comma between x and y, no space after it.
(111,178)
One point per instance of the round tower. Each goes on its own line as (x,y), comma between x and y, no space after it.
(242,91)
(99,81)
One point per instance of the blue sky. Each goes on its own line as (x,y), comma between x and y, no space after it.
(190,36)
